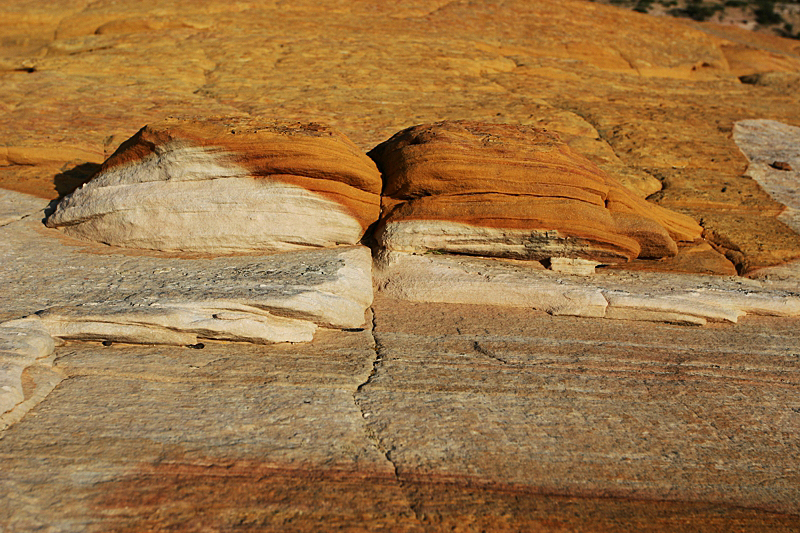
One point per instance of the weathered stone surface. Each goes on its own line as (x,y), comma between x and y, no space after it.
(513,191)
(651,88)
(787,272)
(14,206)
(662,297)
(587,407)
(20,347)
(764,142)
(595,425)
(278,411)
(224,185)
(99,294)
(695,258)
(473,418)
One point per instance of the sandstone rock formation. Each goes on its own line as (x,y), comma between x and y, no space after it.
(429,416)
(513,191)
(224,185)
(636,296)
(173,300)
(19,348)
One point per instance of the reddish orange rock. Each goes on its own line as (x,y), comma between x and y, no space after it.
(227,185)
(513,191)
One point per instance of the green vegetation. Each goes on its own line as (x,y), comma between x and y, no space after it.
(697,10)
(766,13)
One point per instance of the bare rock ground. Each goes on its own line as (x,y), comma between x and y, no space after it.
(442,416)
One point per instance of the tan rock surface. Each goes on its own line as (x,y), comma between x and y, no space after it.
(225,185)
(513,191)
(474,418)
(595,425)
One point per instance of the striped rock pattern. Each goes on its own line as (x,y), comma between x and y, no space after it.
(513,191)
(227,185)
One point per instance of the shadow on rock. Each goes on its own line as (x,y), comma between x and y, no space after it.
(68,180)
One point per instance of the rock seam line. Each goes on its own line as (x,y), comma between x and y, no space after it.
(23,217)
(368,432)
(488,353)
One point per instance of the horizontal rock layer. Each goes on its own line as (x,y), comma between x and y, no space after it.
(513,191)
(640,296)
(224,185)
(283,300)
(81,291)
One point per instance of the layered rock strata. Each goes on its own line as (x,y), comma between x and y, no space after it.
(227,185)
(639,296)
(80,291)
(513,191)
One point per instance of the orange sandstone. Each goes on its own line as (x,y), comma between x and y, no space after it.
(513,191)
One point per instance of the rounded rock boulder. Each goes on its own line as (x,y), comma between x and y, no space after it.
(227,185)
(514,191)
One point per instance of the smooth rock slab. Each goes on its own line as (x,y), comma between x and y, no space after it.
(580,407)
(15,205)
(768,144)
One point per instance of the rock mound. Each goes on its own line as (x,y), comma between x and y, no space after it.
(227,185)
(513,191)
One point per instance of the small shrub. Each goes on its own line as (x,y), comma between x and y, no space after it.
(696,10)
(765,13)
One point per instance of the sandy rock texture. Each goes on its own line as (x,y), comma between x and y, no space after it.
(443,417)
(19,349)
(224,185)
(14,206)
(513,191)
(654,98)
(398,415)
(102,294)
(773,150)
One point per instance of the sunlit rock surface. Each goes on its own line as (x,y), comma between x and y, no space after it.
(435,416)
(513,191)
(224,185)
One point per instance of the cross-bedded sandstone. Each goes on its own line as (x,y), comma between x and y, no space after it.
(513,191)
(226,185)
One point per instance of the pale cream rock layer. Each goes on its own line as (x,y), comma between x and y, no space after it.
(182,306)
(20,347)
(226,186)
(674,298)
(85,291)
(773,152)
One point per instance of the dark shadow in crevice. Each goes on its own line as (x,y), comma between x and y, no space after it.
(67,181)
